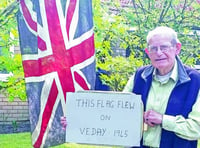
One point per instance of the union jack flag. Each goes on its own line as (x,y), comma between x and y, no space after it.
(57,47)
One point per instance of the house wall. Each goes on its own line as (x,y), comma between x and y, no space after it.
(16,111)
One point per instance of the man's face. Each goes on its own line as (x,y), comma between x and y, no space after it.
(162,60)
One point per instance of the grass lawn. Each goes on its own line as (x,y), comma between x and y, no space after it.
(23,140)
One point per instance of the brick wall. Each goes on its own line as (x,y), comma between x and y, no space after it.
(13,111)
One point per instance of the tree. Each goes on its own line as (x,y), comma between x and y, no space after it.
(110,29)
(14,86)
(178,14)
(113,22)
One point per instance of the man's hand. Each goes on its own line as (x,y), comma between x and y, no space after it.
(152,118)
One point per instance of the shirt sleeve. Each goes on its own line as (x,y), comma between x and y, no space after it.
(129,85)
(185,128)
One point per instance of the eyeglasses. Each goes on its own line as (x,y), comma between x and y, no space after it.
(163,48)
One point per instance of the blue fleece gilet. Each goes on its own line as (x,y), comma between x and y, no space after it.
(181,100)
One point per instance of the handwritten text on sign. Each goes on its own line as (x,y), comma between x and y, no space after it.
(104,118)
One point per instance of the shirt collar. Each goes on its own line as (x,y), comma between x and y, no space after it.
(173,74)
(179,75)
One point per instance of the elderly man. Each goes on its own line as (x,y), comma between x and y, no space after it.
(170,93)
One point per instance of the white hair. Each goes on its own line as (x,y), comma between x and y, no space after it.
(162,30)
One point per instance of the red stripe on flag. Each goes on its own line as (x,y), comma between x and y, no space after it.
(57,62)
(80,81)
(27,16)
(47,113)
(41,44)
(70,13)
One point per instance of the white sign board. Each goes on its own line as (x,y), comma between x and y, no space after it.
(104,118)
